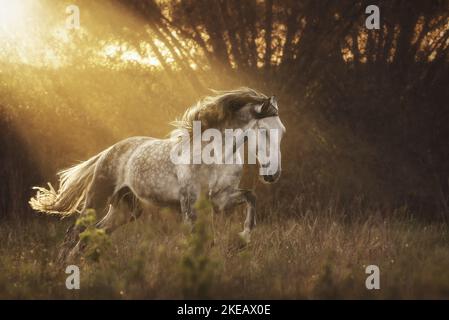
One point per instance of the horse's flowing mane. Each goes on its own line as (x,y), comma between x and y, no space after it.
(216,110)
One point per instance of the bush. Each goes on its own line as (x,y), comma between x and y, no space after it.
(95,239)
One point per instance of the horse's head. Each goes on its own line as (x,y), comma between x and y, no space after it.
(255,111)
(270,131)
(251,112)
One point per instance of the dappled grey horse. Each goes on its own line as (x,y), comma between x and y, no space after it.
(123,179)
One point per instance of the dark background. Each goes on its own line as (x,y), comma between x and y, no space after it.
(366,111)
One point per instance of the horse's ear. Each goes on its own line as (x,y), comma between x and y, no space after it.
(274,101)
(260,109)
(265,106)
(268,108)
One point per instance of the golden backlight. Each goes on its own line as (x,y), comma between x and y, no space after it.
(34,32)
(13,15)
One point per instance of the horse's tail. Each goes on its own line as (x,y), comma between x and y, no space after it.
(73,186)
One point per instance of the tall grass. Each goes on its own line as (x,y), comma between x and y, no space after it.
(316,255)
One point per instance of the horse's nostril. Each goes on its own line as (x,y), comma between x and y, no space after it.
(271,178)
(266,165)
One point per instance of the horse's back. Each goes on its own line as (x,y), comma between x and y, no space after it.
(146,168)
(110,166)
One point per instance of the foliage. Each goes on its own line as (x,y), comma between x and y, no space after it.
(321,255)
(95,239)
(198,267)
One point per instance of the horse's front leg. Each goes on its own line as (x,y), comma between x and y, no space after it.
(187,200)
(234,198)
(250,221)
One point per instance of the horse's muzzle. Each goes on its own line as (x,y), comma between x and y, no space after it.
(271,178)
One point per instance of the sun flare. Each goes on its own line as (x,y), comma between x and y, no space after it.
(14,15)
(34,33)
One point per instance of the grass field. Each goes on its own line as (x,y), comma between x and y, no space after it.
(314,255)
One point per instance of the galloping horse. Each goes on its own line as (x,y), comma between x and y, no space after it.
(123,179)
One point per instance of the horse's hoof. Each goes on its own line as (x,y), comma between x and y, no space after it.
(245,235)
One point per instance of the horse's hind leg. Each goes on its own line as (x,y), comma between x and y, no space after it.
(109,223)
(97,198)
(124,208)
(99,195)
